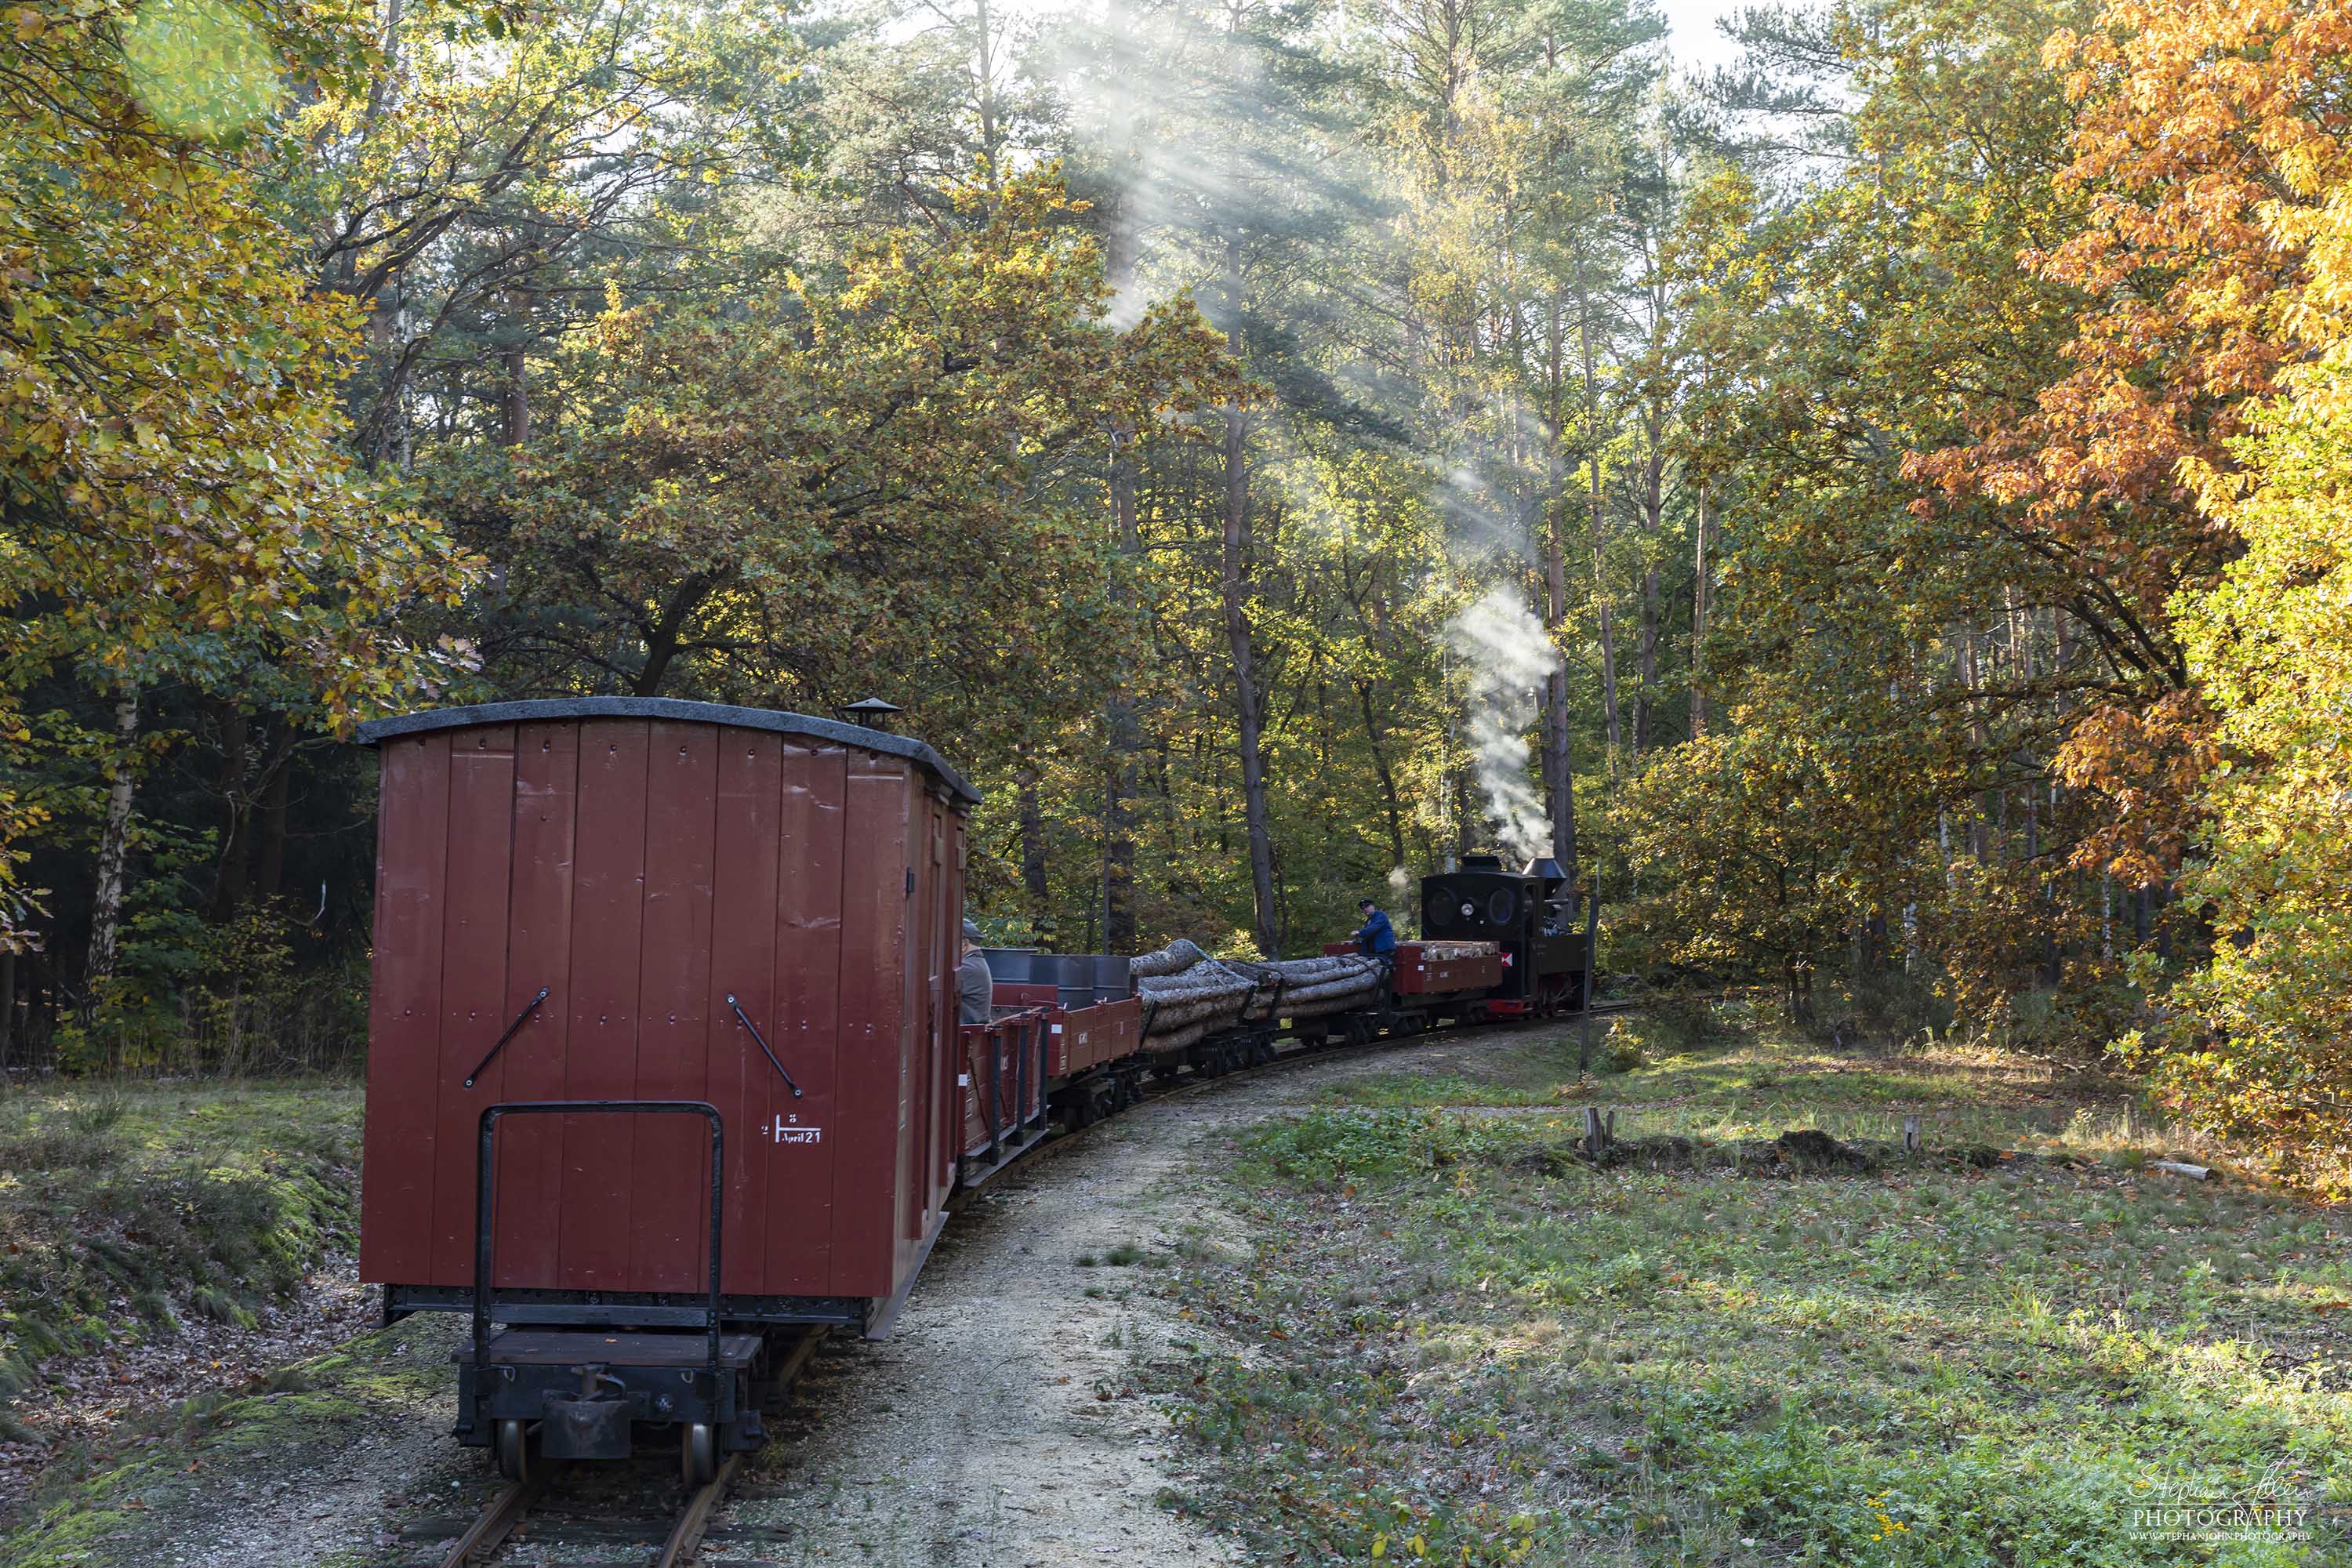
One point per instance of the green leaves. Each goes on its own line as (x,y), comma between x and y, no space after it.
(778,502)
(169,427)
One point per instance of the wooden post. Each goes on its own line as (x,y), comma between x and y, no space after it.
(1596,1136)
(1910,1135)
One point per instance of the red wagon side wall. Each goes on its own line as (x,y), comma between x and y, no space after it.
(1412,973)
(643,869)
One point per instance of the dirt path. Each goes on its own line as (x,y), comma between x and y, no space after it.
(992,1431)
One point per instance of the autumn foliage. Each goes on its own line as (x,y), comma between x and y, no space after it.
(2109,617)
(176,493)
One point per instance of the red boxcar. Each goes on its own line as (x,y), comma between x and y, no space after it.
(644,884)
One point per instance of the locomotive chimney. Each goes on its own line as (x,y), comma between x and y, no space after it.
(1548,872)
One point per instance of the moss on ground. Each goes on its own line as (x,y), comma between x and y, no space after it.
(126,1503)
(122,1208)
(1464,1348)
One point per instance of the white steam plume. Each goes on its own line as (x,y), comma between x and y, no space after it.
(1509,658)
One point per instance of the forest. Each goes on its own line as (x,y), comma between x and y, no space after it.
(1876,513)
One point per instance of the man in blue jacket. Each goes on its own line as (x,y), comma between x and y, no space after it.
(1375,938)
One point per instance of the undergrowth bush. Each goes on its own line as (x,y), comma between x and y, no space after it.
(1334,1145)
(1680,1019)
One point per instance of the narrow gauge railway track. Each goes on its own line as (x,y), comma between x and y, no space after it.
(1300,1056)
(491,1531)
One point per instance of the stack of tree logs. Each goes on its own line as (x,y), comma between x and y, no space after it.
(1311,987)
(1187,995)
(1442,951)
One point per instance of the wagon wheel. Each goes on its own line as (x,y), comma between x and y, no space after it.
(514,1451)
(698,1453)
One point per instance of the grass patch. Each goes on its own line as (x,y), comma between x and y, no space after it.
(124,1207)
(1463,1348)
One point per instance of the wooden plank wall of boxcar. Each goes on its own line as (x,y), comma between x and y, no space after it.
(745,926)
(807,934)
(539,952)
(873,1062)
(405,1010)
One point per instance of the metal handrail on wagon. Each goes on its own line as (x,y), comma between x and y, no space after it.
(486,1199)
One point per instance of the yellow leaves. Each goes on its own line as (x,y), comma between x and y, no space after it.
(200,66)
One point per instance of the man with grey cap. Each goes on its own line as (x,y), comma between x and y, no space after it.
(976,985)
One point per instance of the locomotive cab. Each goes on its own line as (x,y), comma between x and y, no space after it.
(1530,914)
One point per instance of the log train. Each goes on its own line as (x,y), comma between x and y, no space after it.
(665,1060)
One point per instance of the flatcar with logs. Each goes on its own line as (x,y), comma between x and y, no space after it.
(664,1059)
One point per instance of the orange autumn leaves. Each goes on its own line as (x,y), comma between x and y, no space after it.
(2198,121)
(2199,446)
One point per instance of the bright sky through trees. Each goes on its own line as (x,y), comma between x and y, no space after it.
(1697,44)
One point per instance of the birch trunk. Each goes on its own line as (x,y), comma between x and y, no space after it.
(114,840)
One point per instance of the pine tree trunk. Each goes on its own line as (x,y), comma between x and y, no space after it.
(114,842)
(1599,537)
(1647,654)
(1235,587)
(1559,778)
(514,393)
(1700,610)
(1981,823)
(276,786)
(234,875)
(1120,783)
(1385,773)
(514,400)
(1653,509)
(1032,844)
(1608,619)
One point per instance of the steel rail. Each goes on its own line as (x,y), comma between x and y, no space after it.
(491,1526)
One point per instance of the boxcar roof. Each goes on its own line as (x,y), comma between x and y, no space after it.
(783,723)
